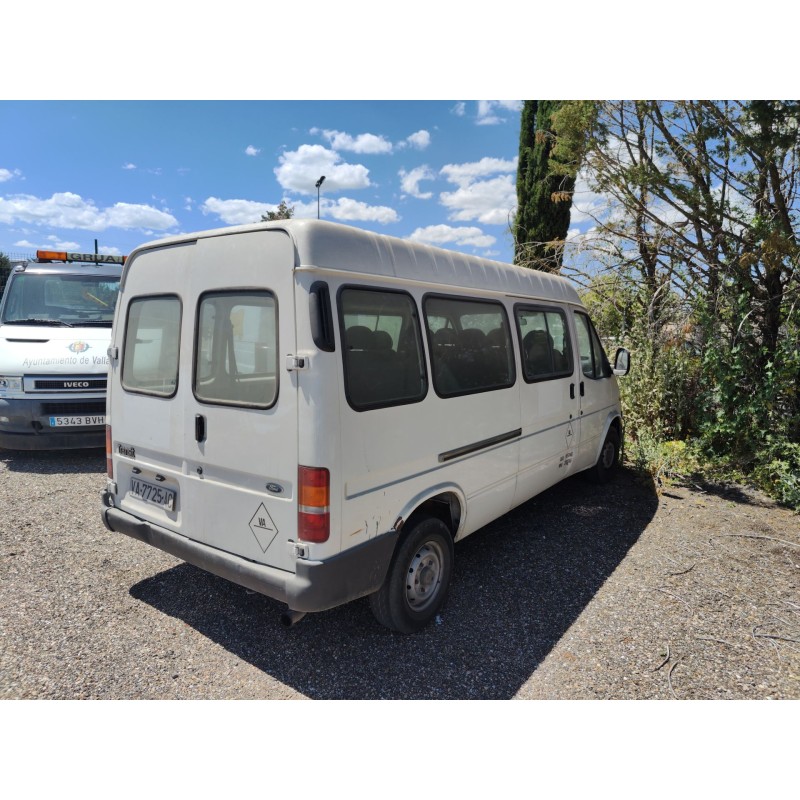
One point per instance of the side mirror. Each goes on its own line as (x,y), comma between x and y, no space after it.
(622,362)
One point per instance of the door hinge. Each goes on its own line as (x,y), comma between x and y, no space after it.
(113,353)
(297,363)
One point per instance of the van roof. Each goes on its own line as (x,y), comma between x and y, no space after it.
(329,245)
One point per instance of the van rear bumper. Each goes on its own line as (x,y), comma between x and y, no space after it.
(314,586)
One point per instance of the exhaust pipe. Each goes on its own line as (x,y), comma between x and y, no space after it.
(290,617)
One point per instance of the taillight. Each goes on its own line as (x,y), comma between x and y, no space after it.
(109,462)
(313,512)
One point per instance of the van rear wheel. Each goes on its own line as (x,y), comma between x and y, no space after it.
(418,578)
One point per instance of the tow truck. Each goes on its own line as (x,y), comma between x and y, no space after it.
(55,329)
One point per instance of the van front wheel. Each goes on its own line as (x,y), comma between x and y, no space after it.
(418,579)
(608,461)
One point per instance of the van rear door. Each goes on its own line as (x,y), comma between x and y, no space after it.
(228,430)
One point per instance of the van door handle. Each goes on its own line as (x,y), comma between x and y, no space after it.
(583,391)
(199,427)
(572,391)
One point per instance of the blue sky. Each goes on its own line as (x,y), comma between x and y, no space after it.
(126,172)
(135,150)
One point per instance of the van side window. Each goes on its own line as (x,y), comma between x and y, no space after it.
(594,362)
(546,348)
(152,345)
(236,349)
(470,345)
(382,348)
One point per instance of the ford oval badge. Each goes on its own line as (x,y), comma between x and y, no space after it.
(275,488)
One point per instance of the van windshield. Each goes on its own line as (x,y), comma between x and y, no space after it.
(61,299)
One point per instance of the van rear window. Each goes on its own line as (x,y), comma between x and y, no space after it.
(152,344)
(236,349)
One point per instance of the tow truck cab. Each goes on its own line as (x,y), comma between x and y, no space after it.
(55,327)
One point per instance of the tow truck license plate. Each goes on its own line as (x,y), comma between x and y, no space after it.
(158,495)
(74,421)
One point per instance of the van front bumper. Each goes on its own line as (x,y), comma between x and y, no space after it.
(314,586)
(25,425)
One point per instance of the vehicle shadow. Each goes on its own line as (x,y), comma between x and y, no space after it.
(518,585)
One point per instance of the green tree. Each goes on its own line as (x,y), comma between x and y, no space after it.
(700,196)
(5,269)
(543,196)
(700,202)
(283,211)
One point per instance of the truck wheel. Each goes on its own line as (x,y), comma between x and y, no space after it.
(608,461)
(418,579)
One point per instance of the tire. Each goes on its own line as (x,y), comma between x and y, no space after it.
(418,578)
(608,460)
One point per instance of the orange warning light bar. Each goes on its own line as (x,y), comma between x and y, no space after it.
(90,258)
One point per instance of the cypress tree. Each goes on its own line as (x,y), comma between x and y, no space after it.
(543,199)
(527,139)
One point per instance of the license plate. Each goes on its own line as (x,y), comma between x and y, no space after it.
(76,421)
(150,493)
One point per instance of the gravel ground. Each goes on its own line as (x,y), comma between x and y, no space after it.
(584,592)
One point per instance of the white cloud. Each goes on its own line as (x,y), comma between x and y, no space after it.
(251,151)
(490,202)
(302,210)
(69,210)
(134,215)
(51,243)
(496,112)
(410,181)
(236,212)
(464,174)
(419,140)
(354,210)
(573,234)
(7,174)
(129,165)
(446,234)
(459,109)
(363,143)
(300,169)
(245,212)
(56,243)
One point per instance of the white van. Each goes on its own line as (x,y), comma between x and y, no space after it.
(318,413)
(55,326)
